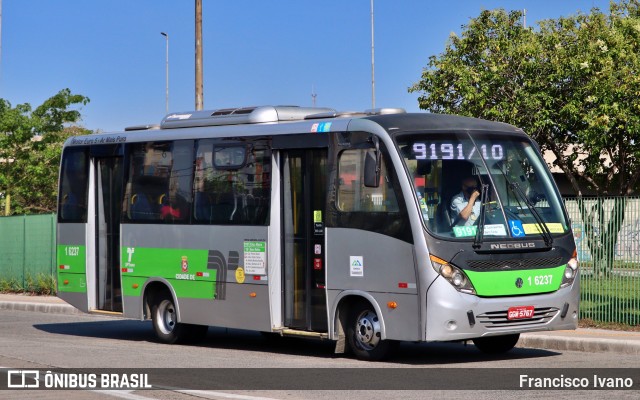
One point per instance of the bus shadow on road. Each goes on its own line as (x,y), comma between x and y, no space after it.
(120,329)
(242,340)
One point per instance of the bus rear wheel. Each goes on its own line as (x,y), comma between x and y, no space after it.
(364,334)
(168,329)
(496,344)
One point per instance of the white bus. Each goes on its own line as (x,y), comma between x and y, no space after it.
(307,221)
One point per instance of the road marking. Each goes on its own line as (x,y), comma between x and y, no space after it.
(123,394)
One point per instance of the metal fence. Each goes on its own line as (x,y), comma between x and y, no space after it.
(607,234)
(27,247)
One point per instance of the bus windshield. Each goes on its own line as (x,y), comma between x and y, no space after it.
(495,182)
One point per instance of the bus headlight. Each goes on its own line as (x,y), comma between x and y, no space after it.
(570,272)
(456,277)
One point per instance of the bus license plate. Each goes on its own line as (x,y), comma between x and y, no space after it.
(522,312)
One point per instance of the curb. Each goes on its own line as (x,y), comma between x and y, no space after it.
(591,345)
(39,307)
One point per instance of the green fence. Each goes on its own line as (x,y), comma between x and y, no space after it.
(27,248)
(607,233)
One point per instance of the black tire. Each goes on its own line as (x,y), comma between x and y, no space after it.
(364,336)
(496,344)
(168,329)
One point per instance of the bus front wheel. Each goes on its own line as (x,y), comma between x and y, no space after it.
(166,325)
(364,334)
(496,344)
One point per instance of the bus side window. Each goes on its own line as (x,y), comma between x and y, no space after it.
(159,184)
(353,195)
(381,209)
(231,192)
(73,185)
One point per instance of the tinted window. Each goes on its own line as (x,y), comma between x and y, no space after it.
(353,195)
(159,188)
(74,174)
(379,209)
(232,183)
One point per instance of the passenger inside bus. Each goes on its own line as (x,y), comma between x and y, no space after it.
(173,206)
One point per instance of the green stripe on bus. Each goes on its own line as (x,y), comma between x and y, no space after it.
(186,270)
(505,283)
(71,268)
(71,258)
(132,287)
(72,282)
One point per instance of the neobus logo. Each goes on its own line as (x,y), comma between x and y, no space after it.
(509,246)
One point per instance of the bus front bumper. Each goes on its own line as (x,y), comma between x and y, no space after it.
(452,315)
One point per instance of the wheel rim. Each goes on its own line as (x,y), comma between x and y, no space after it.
(367,330)
(166,317)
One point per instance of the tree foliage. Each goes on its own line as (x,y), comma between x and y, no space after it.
(30,145)
(572,83)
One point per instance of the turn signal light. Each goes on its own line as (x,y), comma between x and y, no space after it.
(252,294)
(135,286)
(392,305)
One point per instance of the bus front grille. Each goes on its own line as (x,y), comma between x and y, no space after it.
(514,264)
(498,319)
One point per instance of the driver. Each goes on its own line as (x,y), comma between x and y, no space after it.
(465,206)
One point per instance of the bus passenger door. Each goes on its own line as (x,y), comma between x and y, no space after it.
(108,209)
(304,182)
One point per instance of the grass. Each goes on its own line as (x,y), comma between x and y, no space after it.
(589,265)
(41,284)
(610,300)
(589,323)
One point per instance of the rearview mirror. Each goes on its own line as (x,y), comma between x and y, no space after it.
(372,169)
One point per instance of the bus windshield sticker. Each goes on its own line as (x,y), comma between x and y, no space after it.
(532,229)
(255,257)
(489,230)
(517,230)
(356,266)
(321,127)
(495,230)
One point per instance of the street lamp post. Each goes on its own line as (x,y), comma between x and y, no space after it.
(373,75)
(166,36)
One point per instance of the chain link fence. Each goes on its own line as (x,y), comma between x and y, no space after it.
(607,234)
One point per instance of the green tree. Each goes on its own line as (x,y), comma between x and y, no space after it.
(30,145)
(572,83)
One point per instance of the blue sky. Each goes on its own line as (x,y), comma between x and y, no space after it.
(255,52)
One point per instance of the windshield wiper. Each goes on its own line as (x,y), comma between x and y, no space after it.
(480,232)
(544,230)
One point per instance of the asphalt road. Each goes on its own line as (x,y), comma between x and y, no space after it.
(50,341)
